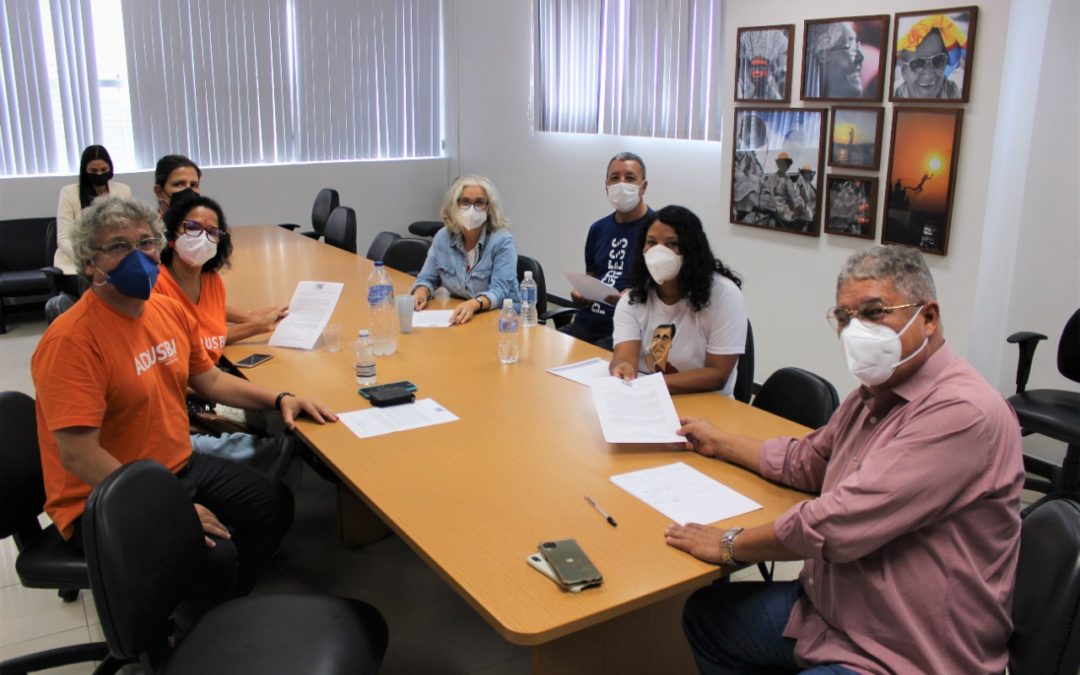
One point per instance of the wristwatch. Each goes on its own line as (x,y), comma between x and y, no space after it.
(727,548)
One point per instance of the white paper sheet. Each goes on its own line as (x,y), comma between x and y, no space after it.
(310,309)
(591,287)
(636,411)
(432,318)
(684,494)
(583,372)
(378,421)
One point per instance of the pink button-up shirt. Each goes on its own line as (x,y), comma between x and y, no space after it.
(911,546)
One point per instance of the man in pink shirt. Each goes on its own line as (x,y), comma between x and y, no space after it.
(910,547)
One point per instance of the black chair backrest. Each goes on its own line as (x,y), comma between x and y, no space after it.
(325,202)
(533,265)
(407,254)
(1046,602)
(744,369)
(380,243)
(144,550)
(50,241)
(341,229)
(798,395)
(22,489)
(24,244)
(425,228)
(1069,348)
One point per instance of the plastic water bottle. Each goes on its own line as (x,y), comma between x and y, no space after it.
(364,360)
(384,323)
(528,300)
(508,333)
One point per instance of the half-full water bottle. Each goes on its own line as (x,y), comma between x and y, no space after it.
(384,323)
(508,333)
(528,300)
(364,359)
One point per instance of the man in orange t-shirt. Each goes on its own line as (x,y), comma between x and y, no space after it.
(111,374)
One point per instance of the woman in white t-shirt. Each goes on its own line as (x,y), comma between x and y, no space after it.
(684,314)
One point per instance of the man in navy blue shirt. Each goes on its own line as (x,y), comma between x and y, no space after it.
(609,252)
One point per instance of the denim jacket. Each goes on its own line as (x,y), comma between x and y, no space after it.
(494,274)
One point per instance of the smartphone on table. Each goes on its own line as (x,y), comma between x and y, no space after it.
(253,360)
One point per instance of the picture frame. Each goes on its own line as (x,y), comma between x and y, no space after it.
(943,41)
(777,197)
(851,206)
(923,155)
(844,59)
(855,137)
(763,64)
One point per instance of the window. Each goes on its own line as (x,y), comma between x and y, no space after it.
(226,83)
(629,67)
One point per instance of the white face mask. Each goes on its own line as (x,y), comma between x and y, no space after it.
(195,251)
(471,217)
(663,263)
(873,350)
(624,196)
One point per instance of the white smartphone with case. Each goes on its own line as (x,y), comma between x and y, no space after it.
(537,562)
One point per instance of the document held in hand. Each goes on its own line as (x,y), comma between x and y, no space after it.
(309,311)
(591,287)
(636,411)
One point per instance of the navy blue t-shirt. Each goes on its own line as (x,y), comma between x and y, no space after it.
(609,255)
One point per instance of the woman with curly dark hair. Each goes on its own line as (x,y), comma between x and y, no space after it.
(686,304)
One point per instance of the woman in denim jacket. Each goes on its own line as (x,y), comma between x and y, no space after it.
(474,256)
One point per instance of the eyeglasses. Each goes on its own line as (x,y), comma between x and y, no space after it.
(122,248)
(480,204)
(871,312)
(937,61)
(194,229)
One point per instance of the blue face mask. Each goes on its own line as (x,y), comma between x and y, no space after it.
(135,275)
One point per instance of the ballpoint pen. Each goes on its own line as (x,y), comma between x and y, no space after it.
(601,511)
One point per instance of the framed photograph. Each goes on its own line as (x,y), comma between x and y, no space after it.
(763,64)
(844,59)
(933,55)
(776,166)
(855,138)
(851,205)
(922,174)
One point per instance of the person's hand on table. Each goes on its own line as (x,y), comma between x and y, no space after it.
(211,525)
(698,540)
(463,313)
(623,370)
(700,436)
(420,298)
(293,406)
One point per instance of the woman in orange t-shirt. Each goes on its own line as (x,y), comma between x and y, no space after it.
(198,247)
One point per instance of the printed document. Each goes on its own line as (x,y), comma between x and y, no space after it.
(378,421)
(591,287)
(636,411)
(310,309)
(684,494)
(583,372)
(432,318)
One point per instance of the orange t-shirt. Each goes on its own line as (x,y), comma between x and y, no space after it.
(127,377)
(209,311)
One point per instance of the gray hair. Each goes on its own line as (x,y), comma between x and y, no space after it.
(627,157)
(109,212)
(496,220)
(824,37)
(901,265)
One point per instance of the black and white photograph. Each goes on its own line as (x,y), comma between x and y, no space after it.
(844,59)
(763,64)
(850,205)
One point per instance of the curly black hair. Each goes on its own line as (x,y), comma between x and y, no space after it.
(698,266)
(178,211)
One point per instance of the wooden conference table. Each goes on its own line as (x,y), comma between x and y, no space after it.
(476,496)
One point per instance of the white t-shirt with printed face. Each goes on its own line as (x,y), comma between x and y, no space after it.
(675,338)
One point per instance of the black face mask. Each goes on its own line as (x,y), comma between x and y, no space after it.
(182,195)
(100,179)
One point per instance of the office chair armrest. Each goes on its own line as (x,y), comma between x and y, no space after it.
(291,227)
(54,274)
(559,316)
(312,234)
(1027,342)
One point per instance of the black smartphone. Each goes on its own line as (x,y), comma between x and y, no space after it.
(366,392)
(571,565)
(253,360)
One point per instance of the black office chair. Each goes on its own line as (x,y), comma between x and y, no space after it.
(1051,412)
(341,229)
(559,316)
(407,254)
(139,575)
(425,228)
(44,560)
(798,395)
(325,202)
(380,243)
(744,369)
(25,269)
(1046,601)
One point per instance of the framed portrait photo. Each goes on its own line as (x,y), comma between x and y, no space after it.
(844,59)
(851,206)
(922,176)
(855,137)
(776,166)
(763,64)
(933,54)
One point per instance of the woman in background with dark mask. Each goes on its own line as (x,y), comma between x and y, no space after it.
(174,175)
(95,179)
